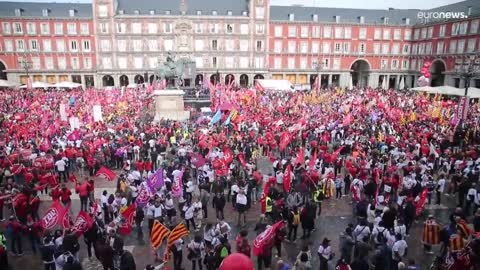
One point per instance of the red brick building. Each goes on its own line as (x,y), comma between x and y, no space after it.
(51,42)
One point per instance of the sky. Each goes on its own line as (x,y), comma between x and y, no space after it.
(370,4)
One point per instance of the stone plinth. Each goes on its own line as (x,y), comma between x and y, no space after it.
(169,105)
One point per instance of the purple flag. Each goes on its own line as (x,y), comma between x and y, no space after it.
(143,195)
(156,180)
(177,187)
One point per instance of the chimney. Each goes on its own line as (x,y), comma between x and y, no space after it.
(390,9)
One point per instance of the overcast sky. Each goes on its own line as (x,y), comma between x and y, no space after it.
(373,4)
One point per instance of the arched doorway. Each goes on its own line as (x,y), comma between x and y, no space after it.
(313,81)
(3,73)
(108,81)
(437,73)
(123,80)
(244,80)
(152,79)
(359,72)
(229,79)
(198,79)
(258,77)
(139,79)
(215,78)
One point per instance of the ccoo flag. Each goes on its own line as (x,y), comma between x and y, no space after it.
(217,117)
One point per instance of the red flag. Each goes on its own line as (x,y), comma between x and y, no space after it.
(285,139)
(241,158)
(300,157)
(287,178)
(264,197)
(421,203)
(82,223)
(265,239)
(313,160)
(348,119)
(126,226)
(336,153)
(107,173)
(53,216)
(227,155)
(72,178)
(66,217)
(198,160)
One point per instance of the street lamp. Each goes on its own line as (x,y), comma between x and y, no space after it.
(467,70)
(25,64)
(318,68)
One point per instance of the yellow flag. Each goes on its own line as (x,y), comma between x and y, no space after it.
(412,117)
(402,120)
(380,137)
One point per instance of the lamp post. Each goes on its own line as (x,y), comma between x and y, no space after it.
(24,63)
(467,70)
(318,68)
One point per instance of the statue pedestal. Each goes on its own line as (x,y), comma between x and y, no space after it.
(169,105)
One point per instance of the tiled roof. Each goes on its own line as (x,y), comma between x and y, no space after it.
(32,9)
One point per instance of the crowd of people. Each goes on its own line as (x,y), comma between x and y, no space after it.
(387,152)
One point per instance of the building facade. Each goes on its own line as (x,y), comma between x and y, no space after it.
(119,42)
(50,43)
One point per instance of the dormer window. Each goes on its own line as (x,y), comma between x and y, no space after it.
(45,12)
(315,17)
(121,11)
(199,12)
(167,12)
(361,19)
(18,12)
(214,12)
(136,12)
(71,12)
(291,17)
(229,13)
(152,12)
(385,20)
(245,13)
(407,21)
(337,19)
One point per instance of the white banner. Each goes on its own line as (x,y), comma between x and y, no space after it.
(74,123)
(63,113)
(97,113)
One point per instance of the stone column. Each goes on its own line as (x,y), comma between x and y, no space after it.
(329,79)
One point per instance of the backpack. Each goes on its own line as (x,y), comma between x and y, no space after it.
(295,218)
(224,252)
(9,229)
(381,237)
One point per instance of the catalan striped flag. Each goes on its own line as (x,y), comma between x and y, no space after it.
(178,232)
(234,115)
(431,233)
(380,137)
(159,232)
(455,243)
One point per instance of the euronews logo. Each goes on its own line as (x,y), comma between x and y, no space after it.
(442,15)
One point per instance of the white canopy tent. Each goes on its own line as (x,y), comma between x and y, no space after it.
(67,85)
(474,92)
(37,85)
(428,89)
(449,90)
(277,85)
(132,85)
(5,83)
(401,85)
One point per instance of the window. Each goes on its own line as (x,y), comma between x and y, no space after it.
(31,29)
(303,47)
(137,45)
(407,35)
(397,34)
(362,48)
(105,45)
(405,64)
(304,31)
(315,47)
(102,11)
(136,28)
(440,45)
(33,45)
(214,46)
(18,12)
(198,45)
(36,63)
(213,28)
(167,27)
(45,29)
(259,12)
(386,34)
(338,32)
(292,46)
(243,62)
(385,48)
(47,45)
(346,47)
(326,47)
(259,46)
(58,28)
(167,12)
(461,46)
(168,45)
(463,28)
(361,19)
(136,11)
(406,49)
(84,29)
(277,62)
(338,47)
(428,48)
(278,31)
(424,33)
(383,64)
(453,46)
(121,28)
(327,32)
(362,34)
(292,31)
(377,34)
(414,49)
(277,47)
(198,28)
(49,63)
(214,61)
(152,28)
(326,63)
(336,63)
(87,63)
(86,45)
(414,64)
(122,45)
(471,45)
(72,29)
(244,45)
(416,34)
(62,63)
(291,62)
(6,28)
(45,12)
(348,32)
(455,29)
(260,29)
(229,62)
(229,13)
(107,62)
(229,28)
(73,46)
(396,48)
(430,32)
(259,62)
(60,45)
(376,48)
(303,63)
(229,45)
(441,31)
(291,17)
(474,26)
(17,28)
(20,45)
(315,17)
(138,62)
(315,31)
(394,64)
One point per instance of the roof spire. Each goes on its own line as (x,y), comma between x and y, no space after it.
(183,7)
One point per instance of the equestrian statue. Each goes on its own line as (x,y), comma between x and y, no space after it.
(174,72)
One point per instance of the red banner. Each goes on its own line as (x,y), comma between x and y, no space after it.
(53,216)
(265,239)
(227,155)
(82,223)
(107,173)
(287,178)
(300,157)
(313,160)
(66,217)
(241,158)
(126,226)
(285,139)
(421,202)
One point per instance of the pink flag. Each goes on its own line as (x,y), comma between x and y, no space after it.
(177,187)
